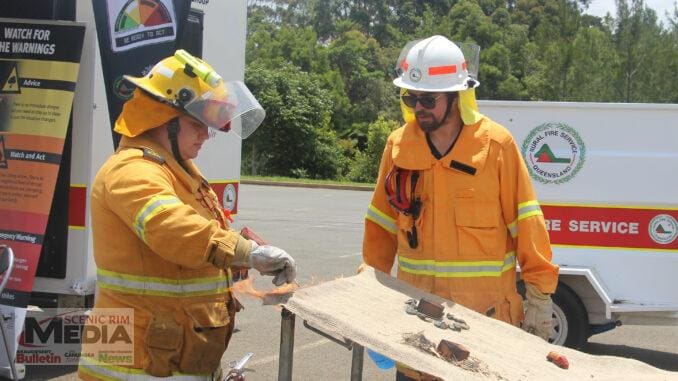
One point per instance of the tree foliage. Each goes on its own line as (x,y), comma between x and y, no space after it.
(296,139)
(323,68)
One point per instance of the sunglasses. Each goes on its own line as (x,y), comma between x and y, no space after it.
(426,101)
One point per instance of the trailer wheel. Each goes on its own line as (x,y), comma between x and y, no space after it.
(570,319)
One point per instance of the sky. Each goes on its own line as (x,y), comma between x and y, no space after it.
(602,7)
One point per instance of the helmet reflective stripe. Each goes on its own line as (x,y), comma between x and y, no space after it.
(435,64)
(450,69)
(457,269)
(163,70)
(114,372)
(142,285)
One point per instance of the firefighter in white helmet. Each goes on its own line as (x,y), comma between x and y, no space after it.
(454,206)
(162,243)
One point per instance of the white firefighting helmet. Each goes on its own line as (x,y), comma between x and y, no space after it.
(436,64)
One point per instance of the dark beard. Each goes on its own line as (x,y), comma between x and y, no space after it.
(431,124)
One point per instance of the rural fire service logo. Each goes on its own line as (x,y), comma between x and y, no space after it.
(229,197)
(554,153)
(663,229)
(415,75)
(123,89)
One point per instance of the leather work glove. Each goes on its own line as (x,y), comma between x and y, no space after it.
(538,313)
(271,260)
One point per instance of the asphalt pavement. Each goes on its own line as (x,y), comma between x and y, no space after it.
(322,229)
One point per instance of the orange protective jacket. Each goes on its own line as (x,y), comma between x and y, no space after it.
(162,248)
(479,216)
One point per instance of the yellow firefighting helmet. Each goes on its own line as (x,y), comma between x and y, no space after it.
(191,85)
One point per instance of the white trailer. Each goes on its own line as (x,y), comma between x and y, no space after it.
(606,177)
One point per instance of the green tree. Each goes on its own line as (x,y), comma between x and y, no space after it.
(295,139)
(362,67)
(637,38)
(365,167)
(591,76)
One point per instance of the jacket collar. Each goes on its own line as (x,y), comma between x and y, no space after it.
(410,150)
(191,180)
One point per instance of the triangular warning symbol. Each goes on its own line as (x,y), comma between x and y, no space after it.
(10,79)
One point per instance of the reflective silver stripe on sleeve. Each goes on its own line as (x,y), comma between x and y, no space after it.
(525,209)
(154,206)
(528,209)
(382,219)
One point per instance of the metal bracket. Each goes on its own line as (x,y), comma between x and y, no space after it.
(286,356)
(346,343)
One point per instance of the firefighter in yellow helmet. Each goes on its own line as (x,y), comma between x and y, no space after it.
(454,206)
(162,244)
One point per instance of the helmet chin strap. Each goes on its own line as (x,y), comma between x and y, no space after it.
(450,99)
(173,134)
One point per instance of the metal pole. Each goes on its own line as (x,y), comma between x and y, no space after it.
(286,356)
(7,267)
(357,362)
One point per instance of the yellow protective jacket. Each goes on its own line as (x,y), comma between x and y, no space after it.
(479,215)
(163,249)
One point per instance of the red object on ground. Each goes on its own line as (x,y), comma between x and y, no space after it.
(558,359)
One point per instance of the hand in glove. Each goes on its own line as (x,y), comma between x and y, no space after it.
(271,260)
(539,311)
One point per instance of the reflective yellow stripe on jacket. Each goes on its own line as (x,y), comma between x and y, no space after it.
(525,209)
(457,269)
(154,206)
(144,285)
(382,219)
(114,373)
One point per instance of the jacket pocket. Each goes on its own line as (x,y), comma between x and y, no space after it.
(164,339)
(206,334)
(477,226)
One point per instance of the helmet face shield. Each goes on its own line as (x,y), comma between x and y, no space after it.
(211,112)
(401,64)
(219,108)
(472,54)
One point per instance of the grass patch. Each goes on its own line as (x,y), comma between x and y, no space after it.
(304,181)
